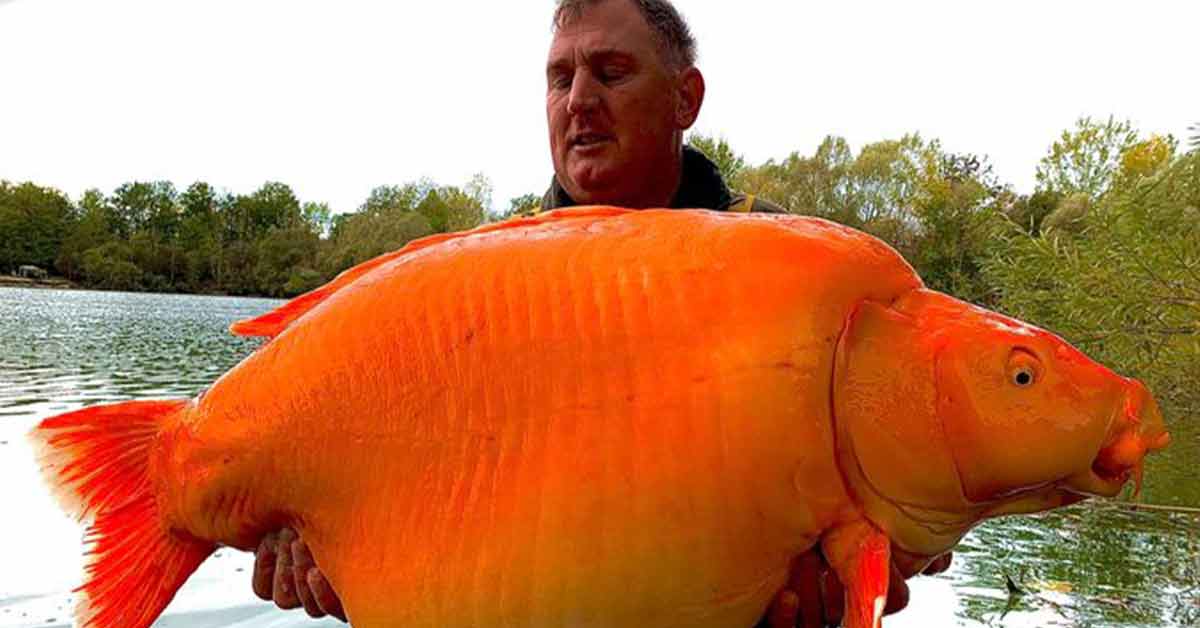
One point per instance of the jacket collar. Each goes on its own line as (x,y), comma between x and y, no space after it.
(700,186)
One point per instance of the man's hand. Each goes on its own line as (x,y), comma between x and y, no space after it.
(284,573)
(814,597)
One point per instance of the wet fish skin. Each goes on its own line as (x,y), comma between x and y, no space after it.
(592,417)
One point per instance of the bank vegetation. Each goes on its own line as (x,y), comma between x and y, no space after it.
(1105,250)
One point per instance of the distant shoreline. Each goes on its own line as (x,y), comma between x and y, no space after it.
(59,283)
(8,281)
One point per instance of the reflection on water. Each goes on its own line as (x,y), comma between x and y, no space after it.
(1089,565)
(64,349)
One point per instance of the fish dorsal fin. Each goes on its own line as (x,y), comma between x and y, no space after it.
(274,322)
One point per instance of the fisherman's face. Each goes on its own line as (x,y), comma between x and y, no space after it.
(613,107)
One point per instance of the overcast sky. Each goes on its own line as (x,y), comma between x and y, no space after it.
(339,96)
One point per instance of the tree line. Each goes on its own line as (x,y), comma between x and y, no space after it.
(149,236)
(1105,250)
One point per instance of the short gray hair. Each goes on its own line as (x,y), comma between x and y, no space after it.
(674,37)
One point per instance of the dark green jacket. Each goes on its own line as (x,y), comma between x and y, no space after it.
(701,187)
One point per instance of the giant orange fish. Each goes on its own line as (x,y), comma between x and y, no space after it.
(600,417)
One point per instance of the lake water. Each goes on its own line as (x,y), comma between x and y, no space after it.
(1090,565)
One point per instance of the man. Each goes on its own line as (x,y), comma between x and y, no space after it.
(621,89)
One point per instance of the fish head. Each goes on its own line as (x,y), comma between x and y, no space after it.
(947,413)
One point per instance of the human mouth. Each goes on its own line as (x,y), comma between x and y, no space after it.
(586,141)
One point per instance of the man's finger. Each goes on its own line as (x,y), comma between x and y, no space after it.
(806,582)
(324,594)
(264,567)
(897,597)
(833,597)
(283,586)
(784,610)
(302,562)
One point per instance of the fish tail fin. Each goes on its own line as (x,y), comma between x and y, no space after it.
(97,463)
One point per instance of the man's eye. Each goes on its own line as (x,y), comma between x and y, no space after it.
(560,81)
(611,74)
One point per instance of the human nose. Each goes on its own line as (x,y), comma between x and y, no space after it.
(584,94)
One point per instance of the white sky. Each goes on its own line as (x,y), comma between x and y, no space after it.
(336,97)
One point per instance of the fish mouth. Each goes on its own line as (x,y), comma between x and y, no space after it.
(1097,482)
(1136,432)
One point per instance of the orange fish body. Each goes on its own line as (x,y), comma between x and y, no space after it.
(593,417)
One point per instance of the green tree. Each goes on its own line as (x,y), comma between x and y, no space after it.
(162,263)
(1087,158)
(284,265)
(819,185)
(956,207)
(935,208)
(1028,212)
(146,206)
(479,190)
(1070,216)
(272,205)
(388,198)
(34,221)
(110,267)
(200,199)
(519,205)
(95,225)
(728,162)
(874,190)
(435,211)
(384,222)
(362,236)
(317,217)
(885,178)
(1124,285)
(1194,140)
(240,262)
(464,209)
(449,208)
(1144,159)
(202,234)
(337,223)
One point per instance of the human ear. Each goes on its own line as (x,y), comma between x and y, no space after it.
(690,95)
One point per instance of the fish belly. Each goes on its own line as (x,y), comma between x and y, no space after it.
(615,423)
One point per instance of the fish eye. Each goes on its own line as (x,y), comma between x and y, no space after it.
(1024,368)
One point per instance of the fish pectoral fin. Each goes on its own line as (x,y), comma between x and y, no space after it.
(861,556)
(274,322)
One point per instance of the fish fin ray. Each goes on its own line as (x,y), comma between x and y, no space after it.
(97,463)
(274,322)
(861,556)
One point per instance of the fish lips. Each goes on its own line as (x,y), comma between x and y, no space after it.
(1135,432)
(1093,483)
